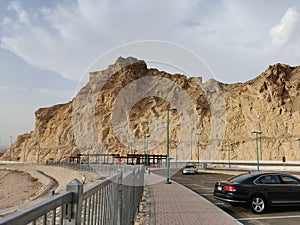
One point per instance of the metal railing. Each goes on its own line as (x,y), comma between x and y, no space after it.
(114,201)
(72,165)
(104,169)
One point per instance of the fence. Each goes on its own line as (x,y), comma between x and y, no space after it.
(72,165)
(113,201)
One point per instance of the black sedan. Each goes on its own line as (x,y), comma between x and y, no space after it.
(259,191)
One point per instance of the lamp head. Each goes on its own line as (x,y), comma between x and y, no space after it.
(256,131)
(172,109)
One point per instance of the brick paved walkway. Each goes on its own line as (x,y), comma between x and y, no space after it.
(177,205)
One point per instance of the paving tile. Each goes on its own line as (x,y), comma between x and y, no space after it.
(176,205)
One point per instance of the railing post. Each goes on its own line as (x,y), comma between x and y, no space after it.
(120,198)
(134,186)
(72,211)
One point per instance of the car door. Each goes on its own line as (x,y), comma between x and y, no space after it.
(271,186)
(291,186)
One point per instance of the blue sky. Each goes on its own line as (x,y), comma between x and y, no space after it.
(47,45)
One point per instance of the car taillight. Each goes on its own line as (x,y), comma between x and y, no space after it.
(230,188)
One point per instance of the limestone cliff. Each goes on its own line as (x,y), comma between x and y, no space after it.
(115,110)
(269,103)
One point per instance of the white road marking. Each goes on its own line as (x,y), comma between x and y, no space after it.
(268,218)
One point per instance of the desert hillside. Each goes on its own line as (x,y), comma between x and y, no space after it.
(120,106)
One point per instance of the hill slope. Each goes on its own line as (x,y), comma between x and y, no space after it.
(120,105)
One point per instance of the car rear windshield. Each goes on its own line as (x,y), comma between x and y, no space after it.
(189,166)
(240,178)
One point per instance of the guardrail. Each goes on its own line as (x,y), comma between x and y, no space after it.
(240,164)
(72,165)
(104,169)
(113,201)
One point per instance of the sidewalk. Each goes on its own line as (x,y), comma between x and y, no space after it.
(177,205)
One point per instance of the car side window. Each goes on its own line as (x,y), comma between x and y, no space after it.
(268,179)
(289,180)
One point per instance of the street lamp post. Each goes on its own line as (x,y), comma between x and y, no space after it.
(167,147)
(259,127)
(146,149)
(257,132)
(261,158)
(198,145)
(191,144)
(198,156)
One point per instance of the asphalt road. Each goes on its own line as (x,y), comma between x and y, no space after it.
(203,184)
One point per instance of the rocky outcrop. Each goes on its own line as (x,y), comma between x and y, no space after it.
(269,103)
(115,110)
(52,138)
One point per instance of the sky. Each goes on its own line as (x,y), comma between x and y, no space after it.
(46,46)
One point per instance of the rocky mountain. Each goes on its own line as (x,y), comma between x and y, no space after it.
(125,109)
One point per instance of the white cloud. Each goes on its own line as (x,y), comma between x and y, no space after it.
(23,17)
(7,21)
(69,37)
(287,30)
(232,36)
(34,97)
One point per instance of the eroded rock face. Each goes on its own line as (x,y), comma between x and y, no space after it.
(120,105)
(269,103)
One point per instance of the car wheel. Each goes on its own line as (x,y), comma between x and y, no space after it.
(258,204)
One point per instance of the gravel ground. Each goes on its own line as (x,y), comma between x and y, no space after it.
(22,185)
(145,216)
(16,187)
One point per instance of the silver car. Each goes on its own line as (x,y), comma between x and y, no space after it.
(189,169)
